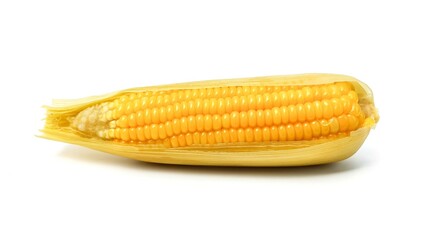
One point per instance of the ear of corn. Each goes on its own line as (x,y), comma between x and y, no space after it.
(265,121)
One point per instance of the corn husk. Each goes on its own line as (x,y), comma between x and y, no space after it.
(290,153)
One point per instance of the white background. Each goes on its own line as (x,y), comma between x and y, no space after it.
(71,49)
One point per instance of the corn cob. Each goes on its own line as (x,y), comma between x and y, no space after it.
(265,121)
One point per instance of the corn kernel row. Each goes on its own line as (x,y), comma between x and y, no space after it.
(343,124)
(246,96)
(324,109)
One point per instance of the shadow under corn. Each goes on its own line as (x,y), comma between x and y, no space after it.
(94,157)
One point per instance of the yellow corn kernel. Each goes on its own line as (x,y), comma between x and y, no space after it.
(238,116)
